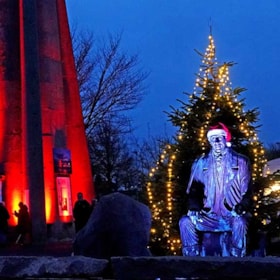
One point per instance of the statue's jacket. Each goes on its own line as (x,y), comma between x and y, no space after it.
(209,193)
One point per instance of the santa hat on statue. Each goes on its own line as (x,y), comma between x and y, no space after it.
(220,129)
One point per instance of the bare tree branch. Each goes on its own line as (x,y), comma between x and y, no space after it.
(110,81)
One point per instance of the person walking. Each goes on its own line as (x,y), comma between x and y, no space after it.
(24,225)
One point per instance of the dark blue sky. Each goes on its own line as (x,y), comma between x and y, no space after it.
(164,33)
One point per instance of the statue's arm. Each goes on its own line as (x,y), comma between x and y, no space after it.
(195,189)
(246,202)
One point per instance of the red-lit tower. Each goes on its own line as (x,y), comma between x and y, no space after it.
(44,159)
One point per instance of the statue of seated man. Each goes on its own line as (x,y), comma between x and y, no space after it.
(219,195)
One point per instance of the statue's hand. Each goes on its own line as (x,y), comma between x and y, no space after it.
(239,209)
(194,215)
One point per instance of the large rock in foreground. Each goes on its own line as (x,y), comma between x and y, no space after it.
(118,226)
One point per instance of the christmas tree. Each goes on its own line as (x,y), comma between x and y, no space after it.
(213,100)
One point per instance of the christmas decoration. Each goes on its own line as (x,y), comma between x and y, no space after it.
(213,100)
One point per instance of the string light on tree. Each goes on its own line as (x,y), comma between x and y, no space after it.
(213,99)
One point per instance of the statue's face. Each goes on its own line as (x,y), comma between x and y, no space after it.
(218,143)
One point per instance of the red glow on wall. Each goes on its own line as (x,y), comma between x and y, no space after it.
(61,114)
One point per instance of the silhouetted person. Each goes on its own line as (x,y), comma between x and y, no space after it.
(81,211)
(24,225)
(4,217)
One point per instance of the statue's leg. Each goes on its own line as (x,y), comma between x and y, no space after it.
(189,237)
(225,239)
(238,242)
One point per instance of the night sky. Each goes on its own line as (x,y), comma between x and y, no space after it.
(164,33)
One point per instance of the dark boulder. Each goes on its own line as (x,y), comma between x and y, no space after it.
(118,226)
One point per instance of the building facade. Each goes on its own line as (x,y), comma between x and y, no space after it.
(44,158)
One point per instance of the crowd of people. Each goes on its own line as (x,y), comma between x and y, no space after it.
(23,227)
(23,231)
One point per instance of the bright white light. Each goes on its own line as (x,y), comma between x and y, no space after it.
(275,187)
